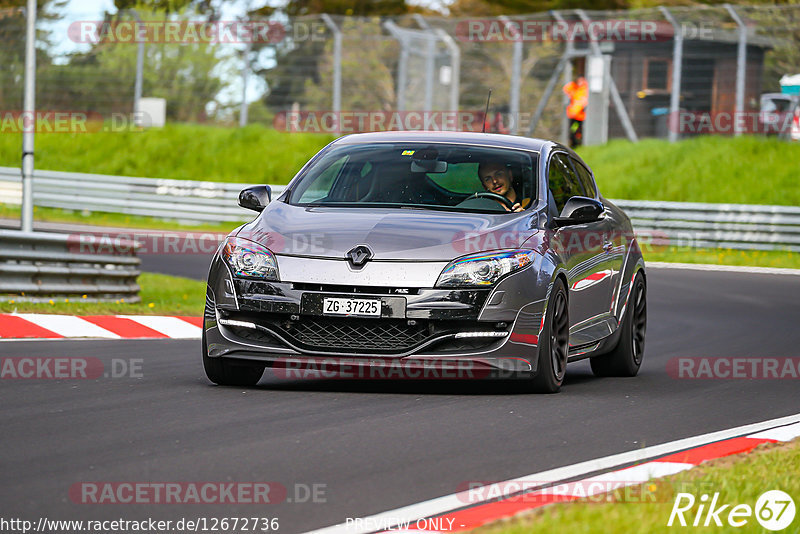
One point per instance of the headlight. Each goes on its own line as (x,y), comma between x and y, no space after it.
(250,259)
(483,269)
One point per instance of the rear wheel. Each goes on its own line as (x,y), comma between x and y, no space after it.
(553,343)
(626,358)
(224,373)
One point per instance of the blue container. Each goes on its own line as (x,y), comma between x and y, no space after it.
(790,85)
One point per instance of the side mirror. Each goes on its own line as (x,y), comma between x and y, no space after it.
(579,210)
(255,198)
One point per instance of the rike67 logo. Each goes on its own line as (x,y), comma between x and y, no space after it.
(774,510)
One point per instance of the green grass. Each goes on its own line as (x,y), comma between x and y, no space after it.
(757,258)
(161,295)
(739,480)
(745,170)
(255,154)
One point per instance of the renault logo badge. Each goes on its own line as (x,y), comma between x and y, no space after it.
(359,255)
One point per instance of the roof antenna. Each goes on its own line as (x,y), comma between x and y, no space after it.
(486,113)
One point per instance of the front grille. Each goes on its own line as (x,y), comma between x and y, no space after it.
(357,334)
(361,336)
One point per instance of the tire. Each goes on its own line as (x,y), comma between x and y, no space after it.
(626,358)
(224,373)
(553,343)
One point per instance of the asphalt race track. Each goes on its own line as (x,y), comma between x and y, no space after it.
(374,446)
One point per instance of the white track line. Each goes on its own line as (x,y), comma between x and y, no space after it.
(68,325)
(784,433)
(723,268)
(638,474)
(169,326)
(441,505)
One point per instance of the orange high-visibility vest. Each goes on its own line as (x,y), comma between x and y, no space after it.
(578,93)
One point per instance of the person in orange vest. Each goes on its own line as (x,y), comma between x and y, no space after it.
(578,93)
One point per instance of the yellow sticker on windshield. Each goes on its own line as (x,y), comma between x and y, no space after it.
(407,153)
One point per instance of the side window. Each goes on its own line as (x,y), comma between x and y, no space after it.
(321,186)
(586,179)
(562,181)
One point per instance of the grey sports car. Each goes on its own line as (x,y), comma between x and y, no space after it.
(429,254)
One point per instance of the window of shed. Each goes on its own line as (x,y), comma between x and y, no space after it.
(657,73)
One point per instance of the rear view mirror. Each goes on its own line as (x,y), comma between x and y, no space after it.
(255,198)
(579,210)
(427,165)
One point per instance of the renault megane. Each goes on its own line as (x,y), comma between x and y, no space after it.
(430,250)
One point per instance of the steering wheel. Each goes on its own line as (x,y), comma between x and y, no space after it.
(494,196)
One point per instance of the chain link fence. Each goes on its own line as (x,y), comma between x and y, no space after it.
(681,71)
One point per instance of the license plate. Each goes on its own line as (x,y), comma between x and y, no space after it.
(340,306)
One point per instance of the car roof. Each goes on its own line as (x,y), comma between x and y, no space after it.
(475,138)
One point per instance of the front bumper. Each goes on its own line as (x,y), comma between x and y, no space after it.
(282,324)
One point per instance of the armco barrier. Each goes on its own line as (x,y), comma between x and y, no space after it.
(739,226)
(184,200)
(736,226)
(38,266)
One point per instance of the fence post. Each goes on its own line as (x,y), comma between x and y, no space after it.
(516,68)
(337,62)
(548,90)
(618,104)
(677,68)
(402,64)
(137,86)
(29,106)
(741,65)
(569,49)
(245,72)
(430,59)
(455,56)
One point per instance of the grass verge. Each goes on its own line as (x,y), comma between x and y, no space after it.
(739,479)
(254,154)
(741,170)
(750,258)
(161,295)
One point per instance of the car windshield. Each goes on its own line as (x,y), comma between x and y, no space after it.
(419,175)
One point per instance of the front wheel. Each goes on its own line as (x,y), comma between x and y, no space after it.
(553,343)
(626,358)
(224,373)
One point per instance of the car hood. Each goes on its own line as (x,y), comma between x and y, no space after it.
(391,234)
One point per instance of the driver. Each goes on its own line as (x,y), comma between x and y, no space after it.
(496,178)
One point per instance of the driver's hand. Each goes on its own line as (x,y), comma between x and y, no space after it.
(516,207)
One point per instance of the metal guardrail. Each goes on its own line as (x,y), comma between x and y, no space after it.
(184,200)
(41,265)
(738,226)
(735,226)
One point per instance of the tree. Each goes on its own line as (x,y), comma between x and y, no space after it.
(12,47)
(188,75)
(300,64)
